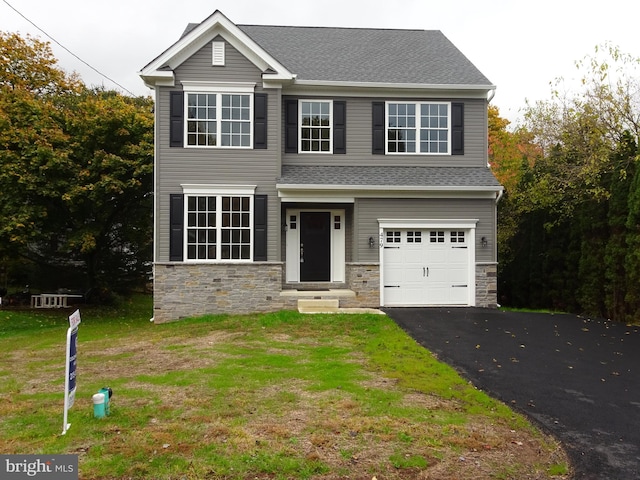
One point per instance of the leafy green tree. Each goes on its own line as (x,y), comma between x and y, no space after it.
(75,171)
(575,207)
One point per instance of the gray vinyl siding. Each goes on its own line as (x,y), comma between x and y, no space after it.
(237,68)
(369,210)
(359,139)
(176,166)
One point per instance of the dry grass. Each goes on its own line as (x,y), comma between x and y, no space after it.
(273,420)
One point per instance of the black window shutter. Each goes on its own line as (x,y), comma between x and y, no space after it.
(457,129)
(176,119)
(176,225)
(260,228)
(260,120)
(340,127)
(378,122)
(291,126)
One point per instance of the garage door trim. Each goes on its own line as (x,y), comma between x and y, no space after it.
(430,224)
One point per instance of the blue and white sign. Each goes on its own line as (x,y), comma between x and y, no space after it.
(71,364)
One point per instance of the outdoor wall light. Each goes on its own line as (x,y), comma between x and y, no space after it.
(285,227)
(371,242)
(484,242)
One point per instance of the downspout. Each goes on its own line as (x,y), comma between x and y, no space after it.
(499,195)
(492,94)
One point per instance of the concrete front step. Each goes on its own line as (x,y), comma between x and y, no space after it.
(318,305)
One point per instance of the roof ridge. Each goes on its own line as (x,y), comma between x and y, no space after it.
(317,27)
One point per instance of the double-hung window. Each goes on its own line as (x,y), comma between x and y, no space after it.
(218,120)
(315,126)
(218,117)
(218,226)
(418,128)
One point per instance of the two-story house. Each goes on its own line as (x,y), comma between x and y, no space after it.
(327,163)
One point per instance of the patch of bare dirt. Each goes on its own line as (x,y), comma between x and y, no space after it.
(329,427)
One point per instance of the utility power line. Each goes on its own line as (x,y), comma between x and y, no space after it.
(69,51)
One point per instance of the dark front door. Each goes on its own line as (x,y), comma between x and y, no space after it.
(315,246)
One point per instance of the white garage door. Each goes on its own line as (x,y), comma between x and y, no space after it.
(426,267)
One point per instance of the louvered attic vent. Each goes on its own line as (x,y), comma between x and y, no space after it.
(218,54)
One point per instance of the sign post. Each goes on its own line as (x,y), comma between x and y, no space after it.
(70,370)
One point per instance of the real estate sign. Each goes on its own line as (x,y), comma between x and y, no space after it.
(70,369)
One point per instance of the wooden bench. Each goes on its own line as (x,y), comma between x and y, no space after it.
(52,300)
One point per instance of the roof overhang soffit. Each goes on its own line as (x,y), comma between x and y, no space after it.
(370,89)
(288,191)
(160,70)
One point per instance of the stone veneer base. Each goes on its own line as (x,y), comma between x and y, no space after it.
(193,289)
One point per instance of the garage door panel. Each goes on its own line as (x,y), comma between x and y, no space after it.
(427,268)
(458,275)
(393,295)
(459,295)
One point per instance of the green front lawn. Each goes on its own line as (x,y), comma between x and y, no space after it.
(283,395)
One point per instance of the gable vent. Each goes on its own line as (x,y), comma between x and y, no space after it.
(218,53)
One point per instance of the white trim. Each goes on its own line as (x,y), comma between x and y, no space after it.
(156,188)
(300,139)
(160,78)
(434,188)
(337,249)
(218,193)
(313,197)
(348,193)
(417,128)
(204,86)
(397,86)
(430,224)
(216,24)
(218,53)
(208,88)
(208,189)
(379,90)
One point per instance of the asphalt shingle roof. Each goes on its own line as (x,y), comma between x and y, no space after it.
(392,176)
(367,55)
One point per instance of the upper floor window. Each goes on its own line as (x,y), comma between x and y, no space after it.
(315,126)
(219,120)
(218,115)
(418,128)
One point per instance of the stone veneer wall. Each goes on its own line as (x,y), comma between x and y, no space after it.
(364,280)
(191,289)
(487,285)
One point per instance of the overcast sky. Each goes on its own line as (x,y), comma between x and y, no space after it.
(519,46)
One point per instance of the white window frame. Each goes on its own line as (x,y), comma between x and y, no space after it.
(300,126)
(418,128)
(218,89)
(219,192)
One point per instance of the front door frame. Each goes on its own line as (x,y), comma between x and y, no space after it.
(337,245)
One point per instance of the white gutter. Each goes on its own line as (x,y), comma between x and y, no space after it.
(401,188)
(394,85)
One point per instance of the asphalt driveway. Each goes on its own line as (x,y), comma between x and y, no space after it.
(578,378)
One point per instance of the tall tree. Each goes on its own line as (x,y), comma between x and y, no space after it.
(75,170)
(578,199)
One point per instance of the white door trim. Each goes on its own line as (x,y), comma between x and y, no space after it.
(337,239)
